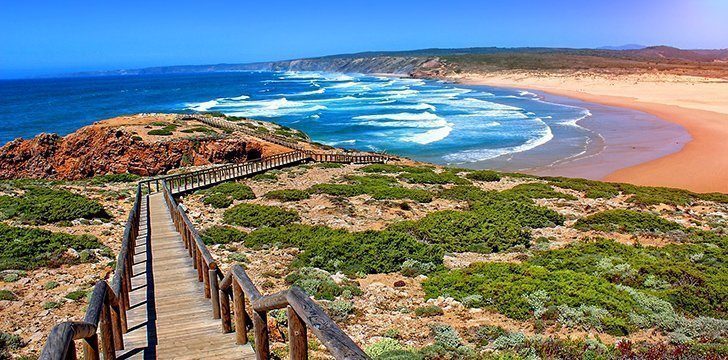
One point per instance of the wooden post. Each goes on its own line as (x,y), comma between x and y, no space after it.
(225,312)
(260,327)
(107,335)
(71,352)
(214,294)
(116,327)
(297,333)
(91,348)
(200,262)
(206,278)
(241,333)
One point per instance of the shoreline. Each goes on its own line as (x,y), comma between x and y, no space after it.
(700,165)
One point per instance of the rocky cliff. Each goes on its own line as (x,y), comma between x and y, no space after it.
(96,150)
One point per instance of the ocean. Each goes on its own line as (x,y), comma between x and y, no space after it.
(427,120)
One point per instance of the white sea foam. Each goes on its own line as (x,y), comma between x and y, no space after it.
(241,97)
(429,136)
(307,93)
(203,106)
(575,122)
(527,93)
(544,136)
(423,116)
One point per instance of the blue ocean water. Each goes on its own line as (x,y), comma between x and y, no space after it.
(427,120)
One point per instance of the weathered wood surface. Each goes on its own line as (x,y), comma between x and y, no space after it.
(170,318)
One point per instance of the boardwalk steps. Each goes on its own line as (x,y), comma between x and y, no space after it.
(169,300)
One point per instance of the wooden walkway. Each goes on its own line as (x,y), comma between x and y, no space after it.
(169,316)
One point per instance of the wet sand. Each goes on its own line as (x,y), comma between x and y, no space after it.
(700,165)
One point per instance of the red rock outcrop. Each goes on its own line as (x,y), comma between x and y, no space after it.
(95,150)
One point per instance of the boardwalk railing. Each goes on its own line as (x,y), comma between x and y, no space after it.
(226,124)
(303,313)
(106,312)
(105,316)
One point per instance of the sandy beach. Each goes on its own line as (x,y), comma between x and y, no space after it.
(699,105)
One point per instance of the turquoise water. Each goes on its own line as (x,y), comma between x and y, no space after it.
(427,120)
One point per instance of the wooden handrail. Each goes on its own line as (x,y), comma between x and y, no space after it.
(107,306)
(106,313)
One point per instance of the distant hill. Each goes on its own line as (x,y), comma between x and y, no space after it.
(623,47)
(488,58)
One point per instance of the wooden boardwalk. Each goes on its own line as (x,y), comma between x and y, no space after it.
(169,316)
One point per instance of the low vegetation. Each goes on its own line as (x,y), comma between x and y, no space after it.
(30,248)
(288,195)
(629,221)
(319,284)
(114,178)
(484,175)
(46,205)
(494,223)
(221,235)
(222,196)
(254,216)
(377,186)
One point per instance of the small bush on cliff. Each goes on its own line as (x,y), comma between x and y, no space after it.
(45,205)
(253,215)
(627,221)
(484,175)
(30,248)
(217,200)
(506,288)
(222,196)
(349,252)
(221,235)
(494,224)
(235,190)
(288,195)
(377,186)
(431,177)
(320,284)
(537,191)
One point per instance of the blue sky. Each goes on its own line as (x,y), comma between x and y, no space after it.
(47,37)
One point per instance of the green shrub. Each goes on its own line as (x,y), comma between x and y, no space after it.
(12,277)
(217,200)
(431,177)
(221,235)
(696,288)
(468,193)
(265,176)
(30,248)
(506,289)
(318,283)
(160,132)
(235,190)
(412,268)
(288,195)
(626,221)
(254,215)
(238,257)
(592,189)
(390,349)
(393,169)
(7,295)
(368,252)
(537,191)
(9,342)
(484,175)
(377,186)
(48,305)
(115,178)
(50,285)
(490,226)
(429,310)
(45,205)
(76,295)
(339,310)
(295,235)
